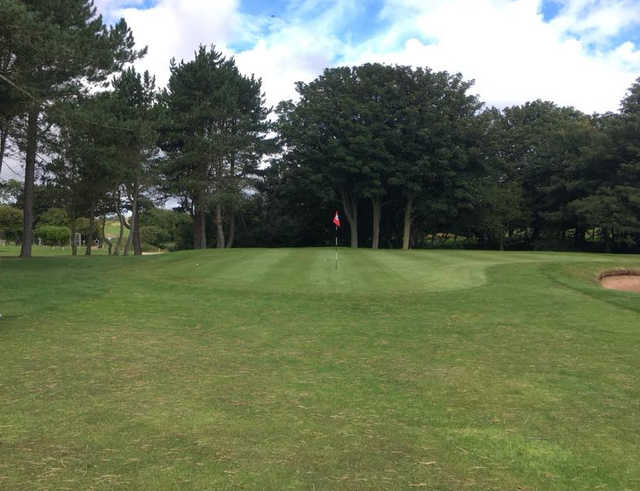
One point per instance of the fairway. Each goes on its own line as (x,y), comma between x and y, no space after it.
(272,369)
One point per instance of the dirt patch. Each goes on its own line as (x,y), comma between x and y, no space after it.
(627,280)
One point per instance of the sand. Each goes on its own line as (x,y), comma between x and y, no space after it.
(627,281)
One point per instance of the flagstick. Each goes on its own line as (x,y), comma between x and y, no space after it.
(336,247)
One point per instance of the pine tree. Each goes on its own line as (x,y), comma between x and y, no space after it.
(64,47)
(214,136)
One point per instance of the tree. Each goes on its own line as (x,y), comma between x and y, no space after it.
(10,191)
(53,234)
(214,135)
(544,149)
(434,140)
(10,222)
(54,216)
(290,207)
(611,175)
(340,129)
(65,47)
(132,104)
(87,162)
(15,20)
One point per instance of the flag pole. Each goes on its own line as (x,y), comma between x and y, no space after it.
(336,222)
(336,247)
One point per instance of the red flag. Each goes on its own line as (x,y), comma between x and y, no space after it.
(336,219)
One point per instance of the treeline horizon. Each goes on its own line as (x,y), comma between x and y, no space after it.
(410,157)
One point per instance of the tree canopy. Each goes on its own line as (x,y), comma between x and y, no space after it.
(408,155)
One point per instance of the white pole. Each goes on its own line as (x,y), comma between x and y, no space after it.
(336,247)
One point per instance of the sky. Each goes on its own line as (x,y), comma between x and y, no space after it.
(583,53)
(580,53)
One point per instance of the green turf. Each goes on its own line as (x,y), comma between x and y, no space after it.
(112,230)
(269,369)
(12,250)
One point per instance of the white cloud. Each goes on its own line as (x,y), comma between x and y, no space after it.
(290,50)
(596,21)
(505,45)
(175,29)
(509,50)
(280,62)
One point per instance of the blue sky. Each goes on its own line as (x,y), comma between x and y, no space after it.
(583,53)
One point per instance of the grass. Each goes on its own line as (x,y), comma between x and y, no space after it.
(112,230)
(12,250)
(269,369)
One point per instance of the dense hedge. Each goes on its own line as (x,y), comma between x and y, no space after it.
(53,234)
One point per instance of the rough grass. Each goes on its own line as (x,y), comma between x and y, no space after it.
(12,250)
(112,230)
(269,369)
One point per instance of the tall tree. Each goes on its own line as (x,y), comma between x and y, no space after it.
(247,143)
(216,121)
(88,149)
(340,130)
(433,147)
(611,176)
(15,31)
(132,106)
(68,47)
(545,149)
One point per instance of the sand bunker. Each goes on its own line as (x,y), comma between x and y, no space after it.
(621,280)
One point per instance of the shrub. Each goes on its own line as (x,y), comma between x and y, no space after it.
(10,223)
(154,235)
(53,234)
(54,216)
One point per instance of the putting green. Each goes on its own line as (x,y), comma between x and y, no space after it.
(363,271)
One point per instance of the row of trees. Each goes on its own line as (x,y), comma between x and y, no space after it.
(378,132)
(51,53)
(413,151)
(106,140)
(404,152)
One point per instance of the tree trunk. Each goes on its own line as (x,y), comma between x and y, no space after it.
(135,225)
(377,213)
(29,178)
(501,238)
(350,206)
(199,223)
(414,238)
(535,235)
(74,246)
(579,239)
(197,230)
(89,244)
(232,217)
(104,237)
(406,237)
(232,229)
(127,245)
(4,133)
(116,252)
(219,227)
(607,240)
(137,243)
